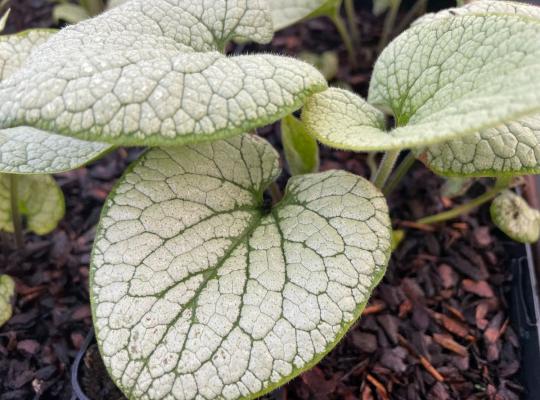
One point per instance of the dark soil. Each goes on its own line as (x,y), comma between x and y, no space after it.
(436,328)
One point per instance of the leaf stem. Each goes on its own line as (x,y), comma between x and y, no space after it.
(371,161)
(351,18)
(389,23)
(15,214)
(500,185)
(345,36)
(385,168)
(399,173)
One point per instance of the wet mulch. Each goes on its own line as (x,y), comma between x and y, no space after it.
(436,328)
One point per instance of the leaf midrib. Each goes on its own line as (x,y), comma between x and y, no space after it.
(258,216)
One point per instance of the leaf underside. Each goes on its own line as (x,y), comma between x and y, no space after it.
(40,201)
(445,78)
(7,291)
(200,291)
(152,73)
(515,217)
(26,150)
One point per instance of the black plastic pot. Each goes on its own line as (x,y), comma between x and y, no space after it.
(78,393)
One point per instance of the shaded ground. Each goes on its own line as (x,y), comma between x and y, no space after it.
(436,328)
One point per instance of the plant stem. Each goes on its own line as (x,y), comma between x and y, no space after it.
(351,18)
(399,173)
(371,161)
(500,185)
(15,214)
(385,168)
(345,36)
(389,24)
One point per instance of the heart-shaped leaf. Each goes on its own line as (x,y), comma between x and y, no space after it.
(200,289)
(40,201)
(451,75)
(289,12)
(7,291)
(515,217)
(151,73)
(26,150)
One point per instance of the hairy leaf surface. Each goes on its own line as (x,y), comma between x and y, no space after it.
(15,49)
(26,150)
(7,291)
(515,217)
(452,75)
(40,201)
(200,289)
(289,12)
(152,73)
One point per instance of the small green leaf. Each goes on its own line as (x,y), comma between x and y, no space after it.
(200,290)
(289,12)
(7,292)
(151,73)
(451,75)
(515,217)
(301,150)
(40,201)
(26,150)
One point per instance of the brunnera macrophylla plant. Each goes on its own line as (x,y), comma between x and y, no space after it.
(463,87)
(199,286)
